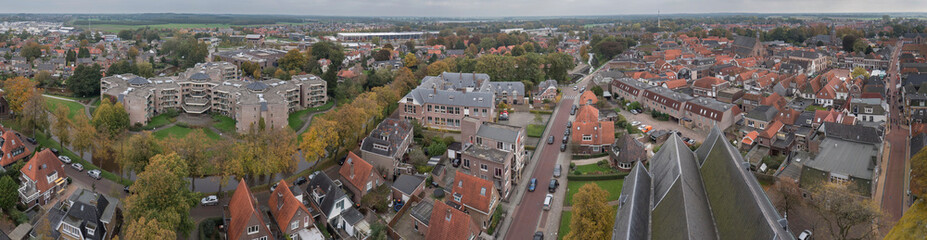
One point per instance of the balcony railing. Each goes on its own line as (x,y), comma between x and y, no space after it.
(28,194)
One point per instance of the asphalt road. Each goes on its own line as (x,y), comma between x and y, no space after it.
(528,212)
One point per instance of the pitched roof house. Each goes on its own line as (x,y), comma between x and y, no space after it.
(359,175)
(289,213)
(244,219)
(12,148)
(626,151)
(588,98)
(589,132)
(43,178)
(84,215)
(477,196)
(386,145)
(447,223)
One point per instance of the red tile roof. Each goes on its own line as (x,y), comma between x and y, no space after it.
(242,207)
(771,129)
(40,167)
(476,193)
(707,82)
(750,138)
(447,223)
(674,84)
(587,123)
(362,171)
(283,205)
(11,143)
(588,97)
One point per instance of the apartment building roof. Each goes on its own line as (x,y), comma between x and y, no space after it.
(455,98)
(499,132)
(391,133)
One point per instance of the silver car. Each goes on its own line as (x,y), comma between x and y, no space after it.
(557,171)
(64,159)
(95,174)
(78,167)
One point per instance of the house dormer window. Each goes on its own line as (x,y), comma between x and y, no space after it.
(252,229)
(457,197)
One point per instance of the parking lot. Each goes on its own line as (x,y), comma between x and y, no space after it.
(646,119)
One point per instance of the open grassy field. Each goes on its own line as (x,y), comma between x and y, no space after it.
(179,132)
(74,109)
(612,186)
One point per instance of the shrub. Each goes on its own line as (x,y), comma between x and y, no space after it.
(208,228)
(17,216)
(577,172)
(572,165)
(496,217)
(596,177)
(437,148)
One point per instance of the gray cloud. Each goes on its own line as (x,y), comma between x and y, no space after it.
(459,8)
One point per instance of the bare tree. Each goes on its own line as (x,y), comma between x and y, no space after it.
(848,215)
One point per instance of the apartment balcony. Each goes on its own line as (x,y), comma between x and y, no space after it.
(195,109)
(28,194)
(196,101)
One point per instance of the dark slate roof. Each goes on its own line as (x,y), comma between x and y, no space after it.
(454,98)
(499,132)
(739,206)
(918,142)
(633,217)
(407,183)
(391,132)
(508,87)
(257,86)
(803,118)
(352,216)
(199,76)
(853,133)
(321,180)
(3,236)
(763,113)
(678,190)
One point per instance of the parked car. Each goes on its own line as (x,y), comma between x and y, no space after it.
(566,132)
(573,112)
(582,89)
(78,167)
(64,159)
(569,124)
(31,140)
(272,188)
(455,162)
(300,181)
(550,140)
(54,150)
(575,88)
(557,171)
(95,174)
(504,116)
(538,235)
(210,200)
(563,147)
(552,188)
(566,138)
(532,184)
(805,235)
(635,123)
(548,201)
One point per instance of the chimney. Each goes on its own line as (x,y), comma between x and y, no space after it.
(352,168)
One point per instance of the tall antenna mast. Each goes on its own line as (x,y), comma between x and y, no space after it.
(658,19)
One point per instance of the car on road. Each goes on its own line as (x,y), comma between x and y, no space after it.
(552,188)
(569,124)
(210,200)
(567,132)
(566,138)
(31,140)
(582,89)
(95,174)
(635,123)
(805,235)
(548,200)
(54,150)
(64,159)
(563,147)
(635,111)
(575,88)
(78,167)
(532,184)
(538,235)
(550,140)
(300,181)
(557,170)
(573,112)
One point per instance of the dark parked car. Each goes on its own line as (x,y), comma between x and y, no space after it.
(567,132)
(553,186)
(341,162)
(54,150)
(300,181)
(456,162)
(539,235)
(569,124)
(532,184)
(31,140)
(550,140)
(566,138)
(563,147)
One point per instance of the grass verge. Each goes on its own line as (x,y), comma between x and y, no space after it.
(223,123)
(74,109)
(564,224)
(535,130)
(298,118)
(613,187)
(180,132)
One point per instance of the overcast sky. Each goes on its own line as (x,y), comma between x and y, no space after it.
(459,8)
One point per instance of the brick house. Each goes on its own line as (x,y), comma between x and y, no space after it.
(43,178)
(288,212)
(628,89)
(386,145)
(508,143)
(407,186)
(447,223)
(547,90)
(13,148)
(244,219)
(359,176)
(591,134)
(707,112)
(665,101)
(588,98)
(709,86)
(476,196)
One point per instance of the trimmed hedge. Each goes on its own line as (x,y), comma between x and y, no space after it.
(541,111)
(613,176)
(597,155)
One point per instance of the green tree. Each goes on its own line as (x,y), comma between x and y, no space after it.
(62,126)
(82,130)
(592,217)
(70,57)
(293,60)
(32,50)
(597,90)
(86,81)
(145,69)
(382,55)
(194,151)
(135,152)
(8,194)
(83,52)
(859,71)
(143,228)
(45,78)
(848,42)
(161,195)
(410,60)
(110,118)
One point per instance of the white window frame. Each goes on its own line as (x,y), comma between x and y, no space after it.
(253,229)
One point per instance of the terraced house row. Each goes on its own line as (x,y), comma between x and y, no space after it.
(215,88)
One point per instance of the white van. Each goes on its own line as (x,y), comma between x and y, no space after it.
(548,201)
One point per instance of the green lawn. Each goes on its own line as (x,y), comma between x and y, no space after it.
(593,168)
(158,121)
(612,186)
(535,130)
(813,107)
(74,109)
(223,123)
(564,224)
(298,118)
(179,132)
